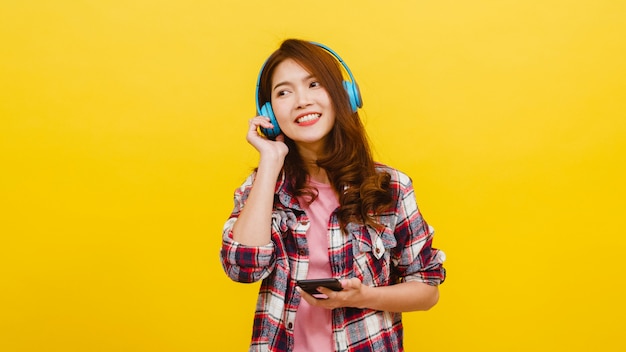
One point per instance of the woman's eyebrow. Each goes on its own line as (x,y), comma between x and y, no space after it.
(284,83)
(287,83)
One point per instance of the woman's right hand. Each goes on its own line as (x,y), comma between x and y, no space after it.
(272,150)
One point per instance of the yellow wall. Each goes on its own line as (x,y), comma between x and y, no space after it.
(122,130)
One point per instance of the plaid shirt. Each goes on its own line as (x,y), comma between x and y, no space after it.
(400,251)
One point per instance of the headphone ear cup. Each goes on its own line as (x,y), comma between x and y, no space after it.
(354,95)
(271,133)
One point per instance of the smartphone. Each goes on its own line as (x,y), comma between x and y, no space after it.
(310,286)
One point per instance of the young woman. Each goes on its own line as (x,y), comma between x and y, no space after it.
(318,206)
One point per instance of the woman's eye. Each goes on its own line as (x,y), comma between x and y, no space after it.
(281,93)
(315,84)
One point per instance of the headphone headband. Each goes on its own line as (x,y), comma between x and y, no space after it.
(333,53)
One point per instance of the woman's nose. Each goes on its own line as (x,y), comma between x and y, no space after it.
(304,99)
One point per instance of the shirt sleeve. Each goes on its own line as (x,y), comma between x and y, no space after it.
(416,259)
(244,263)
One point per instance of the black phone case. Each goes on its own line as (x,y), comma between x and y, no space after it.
(310,286)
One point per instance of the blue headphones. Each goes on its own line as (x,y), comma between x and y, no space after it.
(351,87)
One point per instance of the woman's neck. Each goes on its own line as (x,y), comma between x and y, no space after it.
(309,154)
(317,174)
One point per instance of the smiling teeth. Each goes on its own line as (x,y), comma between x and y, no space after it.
(308,117)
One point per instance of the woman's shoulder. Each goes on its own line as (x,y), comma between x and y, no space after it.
(397,177)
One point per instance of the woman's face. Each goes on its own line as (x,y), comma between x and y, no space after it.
(301,105)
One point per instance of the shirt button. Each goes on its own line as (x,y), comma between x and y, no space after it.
(377,250)
(305,222)
(290,326)
(302,252)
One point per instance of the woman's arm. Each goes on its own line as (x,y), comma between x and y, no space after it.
(253,226)
(402,297)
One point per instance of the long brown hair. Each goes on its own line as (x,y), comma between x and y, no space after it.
(346,157)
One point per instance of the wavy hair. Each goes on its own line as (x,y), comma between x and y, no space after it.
(347,157)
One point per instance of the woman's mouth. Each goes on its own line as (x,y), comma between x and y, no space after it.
(308,118)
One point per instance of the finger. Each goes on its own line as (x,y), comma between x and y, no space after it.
(350,283)
(260,121)
(252,124)
(307,297)
(324,290)
(326,293)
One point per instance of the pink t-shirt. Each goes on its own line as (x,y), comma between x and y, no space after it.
(313,325)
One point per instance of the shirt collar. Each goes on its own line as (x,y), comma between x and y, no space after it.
(284,192)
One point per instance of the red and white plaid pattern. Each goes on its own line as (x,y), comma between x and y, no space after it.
(400,251)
